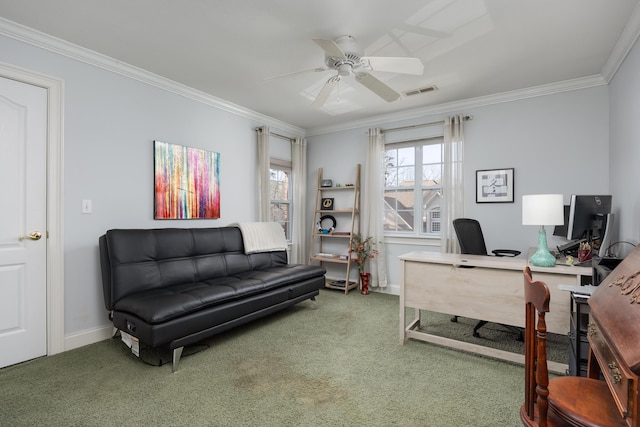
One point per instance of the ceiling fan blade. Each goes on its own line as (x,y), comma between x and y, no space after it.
(377,87)
(326,90)
(309,70)
(394,65)
(330,48)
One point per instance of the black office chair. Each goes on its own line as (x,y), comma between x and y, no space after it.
(471,242)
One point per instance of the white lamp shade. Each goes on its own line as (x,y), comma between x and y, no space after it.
(542,209)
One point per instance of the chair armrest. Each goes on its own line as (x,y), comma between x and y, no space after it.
(505,252)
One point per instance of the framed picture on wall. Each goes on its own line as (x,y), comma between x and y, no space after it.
(187,182)
(494,186)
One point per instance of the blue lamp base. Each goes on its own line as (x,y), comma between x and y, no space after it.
(542,257)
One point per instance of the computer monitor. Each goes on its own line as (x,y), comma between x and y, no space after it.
(588,216)
(561,230)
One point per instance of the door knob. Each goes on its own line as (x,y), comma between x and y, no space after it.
(34,235)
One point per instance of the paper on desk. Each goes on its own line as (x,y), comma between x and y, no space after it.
(577,289)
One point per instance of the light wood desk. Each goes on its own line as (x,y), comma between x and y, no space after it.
(493,290)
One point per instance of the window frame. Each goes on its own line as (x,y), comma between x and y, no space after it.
(420,212)
(287,167)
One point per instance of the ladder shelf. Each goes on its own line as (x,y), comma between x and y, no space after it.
(335,239)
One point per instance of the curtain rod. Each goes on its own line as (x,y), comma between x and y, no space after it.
(440,122)
(281,136)
(277,135)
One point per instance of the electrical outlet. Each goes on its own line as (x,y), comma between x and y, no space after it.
(86,207)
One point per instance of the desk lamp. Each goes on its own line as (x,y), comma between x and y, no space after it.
(542,209)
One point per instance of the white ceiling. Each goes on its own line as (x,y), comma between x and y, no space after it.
(469,48)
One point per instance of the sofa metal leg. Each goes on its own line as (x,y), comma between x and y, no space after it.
(115,332)
(314,303)
(177,353)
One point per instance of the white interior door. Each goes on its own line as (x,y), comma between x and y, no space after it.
(23,219)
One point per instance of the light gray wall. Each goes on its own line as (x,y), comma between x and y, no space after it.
(556,144)
(110,122)
(625,149)
(109,133)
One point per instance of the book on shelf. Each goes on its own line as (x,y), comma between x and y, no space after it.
(326,255)
(341,283)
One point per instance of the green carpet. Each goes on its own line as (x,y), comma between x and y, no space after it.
(340,364)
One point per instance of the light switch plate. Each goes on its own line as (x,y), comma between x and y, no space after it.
(86,206)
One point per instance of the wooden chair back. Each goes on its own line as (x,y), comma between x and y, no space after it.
(536,297)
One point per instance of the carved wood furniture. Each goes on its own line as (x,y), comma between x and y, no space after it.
(614,336)
(562,401)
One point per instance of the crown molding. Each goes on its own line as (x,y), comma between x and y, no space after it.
(457,106)
(624,44)
(62,47)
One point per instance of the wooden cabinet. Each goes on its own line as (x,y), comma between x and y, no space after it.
(614,334)
(336,219)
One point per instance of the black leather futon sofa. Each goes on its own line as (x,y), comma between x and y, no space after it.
(175,287)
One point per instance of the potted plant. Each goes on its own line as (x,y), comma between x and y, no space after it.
(360,250)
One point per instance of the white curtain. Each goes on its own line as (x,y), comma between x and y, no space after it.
(452,182)
(264,199)
(372,213)
(299,177)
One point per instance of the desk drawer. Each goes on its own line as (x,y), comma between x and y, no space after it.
(619,379)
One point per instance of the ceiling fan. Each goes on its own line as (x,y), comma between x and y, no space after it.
(345,56)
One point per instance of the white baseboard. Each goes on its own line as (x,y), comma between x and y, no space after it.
(390,289)
(87,337)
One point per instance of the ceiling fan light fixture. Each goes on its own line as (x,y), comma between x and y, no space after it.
(344,70)
(345,57)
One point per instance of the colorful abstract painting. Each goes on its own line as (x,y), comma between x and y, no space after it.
(187,182)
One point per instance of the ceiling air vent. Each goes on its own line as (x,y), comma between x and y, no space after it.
(425,89)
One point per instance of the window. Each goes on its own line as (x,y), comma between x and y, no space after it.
(413,188)
(280,190)
(435,220)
